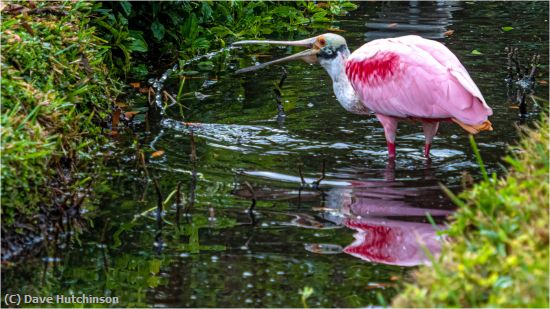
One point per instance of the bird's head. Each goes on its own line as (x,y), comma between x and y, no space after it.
(325,49)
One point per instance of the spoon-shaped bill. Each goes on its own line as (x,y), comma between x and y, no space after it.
(308,56)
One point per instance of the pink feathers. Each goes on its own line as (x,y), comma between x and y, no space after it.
(411,77)
(372,70)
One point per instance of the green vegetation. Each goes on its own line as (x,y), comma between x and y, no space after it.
(55,92)
(182,30)
(498,255)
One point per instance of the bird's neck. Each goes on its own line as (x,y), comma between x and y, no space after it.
(342,87)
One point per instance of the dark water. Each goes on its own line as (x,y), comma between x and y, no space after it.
(353,238)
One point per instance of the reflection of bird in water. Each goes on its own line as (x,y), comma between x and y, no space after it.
(390,229)
(388,214)
(404,78)
(426,19)
(393,242)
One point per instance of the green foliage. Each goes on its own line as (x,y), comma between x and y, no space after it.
(187,29)
(54,90)
(499,253)
(306,292)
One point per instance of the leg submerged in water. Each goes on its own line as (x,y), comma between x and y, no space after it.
(390,127)
(430,130)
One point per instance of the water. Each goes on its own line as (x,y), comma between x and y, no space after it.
(255,232)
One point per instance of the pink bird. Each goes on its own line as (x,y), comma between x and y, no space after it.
(404,78)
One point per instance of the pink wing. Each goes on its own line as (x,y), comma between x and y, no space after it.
(413,77)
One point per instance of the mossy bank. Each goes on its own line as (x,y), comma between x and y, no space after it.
(56,93)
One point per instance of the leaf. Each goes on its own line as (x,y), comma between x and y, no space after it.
(153,281)
(157,153)
(349,5)
(205,65)
(139,71)
(507,28)
(476,52)
(126,6)
(130,115)
(154,266)
(189,29)
(144,90)
(158,30)
(135,85)
(116,118)
(448,32)
(320,17)
(137,43)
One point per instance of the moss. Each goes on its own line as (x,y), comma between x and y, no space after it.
(498,253)
(55,91)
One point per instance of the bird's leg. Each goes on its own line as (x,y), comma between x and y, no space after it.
(390,127)
(430,129)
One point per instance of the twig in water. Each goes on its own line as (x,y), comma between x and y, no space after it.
(143,165)
(149,95)
(253,195)
(534,62)
(193,148)
(159,194)
(318,181)
(283,77)
(301,175)
(169,96)
(278,97)
(178,204)
(523,81)
(193,185)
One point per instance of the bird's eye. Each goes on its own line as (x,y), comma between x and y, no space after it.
(322,42)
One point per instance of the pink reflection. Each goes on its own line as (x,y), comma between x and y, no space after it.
(392,242)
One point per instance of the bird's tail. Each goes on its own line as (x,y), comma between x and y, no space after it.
(474,128)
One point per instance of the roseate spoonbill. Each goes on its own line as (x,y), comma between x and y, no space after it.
(401,78)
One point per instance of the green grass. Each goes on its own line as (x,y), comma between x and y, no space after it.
(55,91)
(497,253)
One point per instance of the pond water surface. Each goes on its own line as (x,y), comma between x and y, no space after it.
(255,232)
